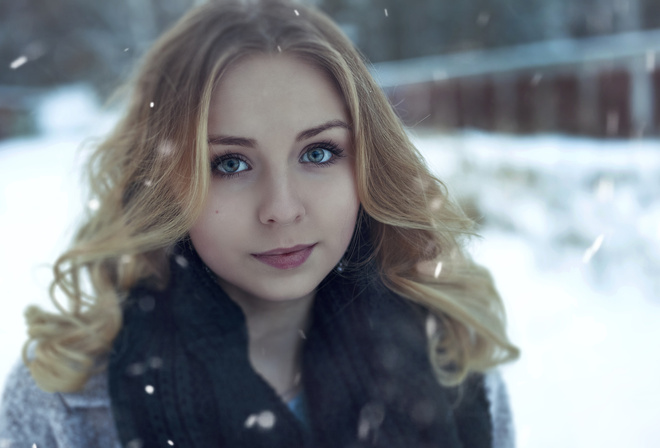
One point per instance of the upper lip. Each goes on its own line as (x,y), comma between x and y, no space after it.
(286,250)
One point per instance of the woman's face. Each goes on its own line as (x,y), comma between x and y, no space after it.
(282,205)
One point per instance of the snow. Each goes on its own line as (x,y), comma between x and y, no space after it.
(68,109)
(571,233)
(40,199)
(16,63)
(572,236)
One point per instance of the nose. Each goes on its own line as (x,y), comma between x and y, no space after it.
(281,201)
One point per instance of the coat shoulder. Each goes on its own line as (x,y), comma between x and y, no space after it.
(500,410)
(26,411)
(29,415)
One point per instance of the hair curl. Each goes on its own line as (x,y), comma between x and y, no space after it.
(150,177)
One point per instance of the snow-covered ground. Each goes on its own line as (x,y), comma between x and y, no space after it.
(571,232)
(40,199)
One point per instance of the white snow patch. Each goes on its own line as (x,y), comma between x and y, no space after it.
(588,332)
(69,109)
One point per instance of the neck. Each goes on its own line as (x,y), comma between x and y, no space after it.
(276,331)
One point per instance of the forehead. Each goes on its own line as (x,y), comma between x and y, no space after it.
(276,90)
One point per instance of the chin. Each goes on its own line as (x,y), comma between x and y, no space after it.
(271,290)
(286,293)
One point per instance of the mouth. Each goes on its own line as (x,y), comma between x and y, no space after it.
(286,258)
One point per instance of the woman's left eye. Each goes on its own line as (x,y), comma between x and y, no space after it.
(320,155)
(229,165)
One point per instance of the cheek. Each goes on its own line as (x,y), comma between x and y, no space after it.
(230,201)
(217,222)
(343,209)
(205,232)
(219,206)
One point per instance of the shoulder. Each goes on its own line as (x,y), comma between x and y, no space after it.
(28,415)
(26,411)
(500,410)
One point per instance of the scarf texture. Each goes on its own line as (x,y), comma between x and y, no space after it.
(179,373)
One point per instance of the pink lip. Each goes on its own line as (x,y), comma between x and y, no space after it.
(286,258)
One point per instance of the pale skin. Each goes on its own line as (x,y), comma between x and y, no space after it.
(282,163)
(276,341)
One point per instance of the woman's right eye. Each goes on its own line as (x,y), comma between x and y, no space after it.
(229,165)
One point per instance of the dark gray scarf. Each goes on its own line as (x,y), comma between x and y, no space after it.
(179,373)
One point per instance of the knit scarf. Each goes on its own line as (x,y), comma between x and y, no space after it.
(179,373)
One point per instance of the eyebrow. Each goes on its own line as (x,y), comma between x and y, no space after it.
(251,143)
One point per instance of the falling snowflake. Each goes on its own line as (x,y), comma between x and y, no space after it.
(148,183)
(536,79)
(431,326)
(149,389)
(436,204)
(155,362)
(135,369)
(386,14)
(151,104)
(181,261)
(295,11)
(147,303)
(264,420)
(166,148)
(135,443)
(650,61)
(170,443)
(438,269)
(371,417)
(251,421)
(363,429)
(591,251)
(93,204)
(483,19)
(18,62)
(605,189)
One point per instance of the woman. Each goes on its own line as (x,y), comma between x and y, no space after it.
(271,264)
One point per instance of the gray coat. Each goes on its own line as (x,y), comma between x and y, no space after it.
(30,417)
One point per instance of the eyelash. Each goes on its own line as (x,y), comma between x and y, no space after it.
(328,145)
(217,160)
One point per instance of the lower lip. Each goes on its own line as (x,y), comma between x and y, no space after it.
(286,261)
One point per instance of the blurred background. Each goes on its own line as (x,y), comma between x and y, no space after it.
(542,116)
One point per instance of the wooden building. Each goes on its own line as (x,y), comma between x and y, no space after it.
(603,86)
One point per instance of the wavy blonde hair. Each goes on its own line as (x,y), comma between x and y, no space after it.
(150,177)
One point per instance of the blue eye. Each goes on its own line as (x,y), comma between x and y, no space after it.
(317,155)
(228,165)
(321,154)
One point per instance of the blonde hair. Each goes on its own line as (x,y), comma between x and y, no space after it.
(150,177)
